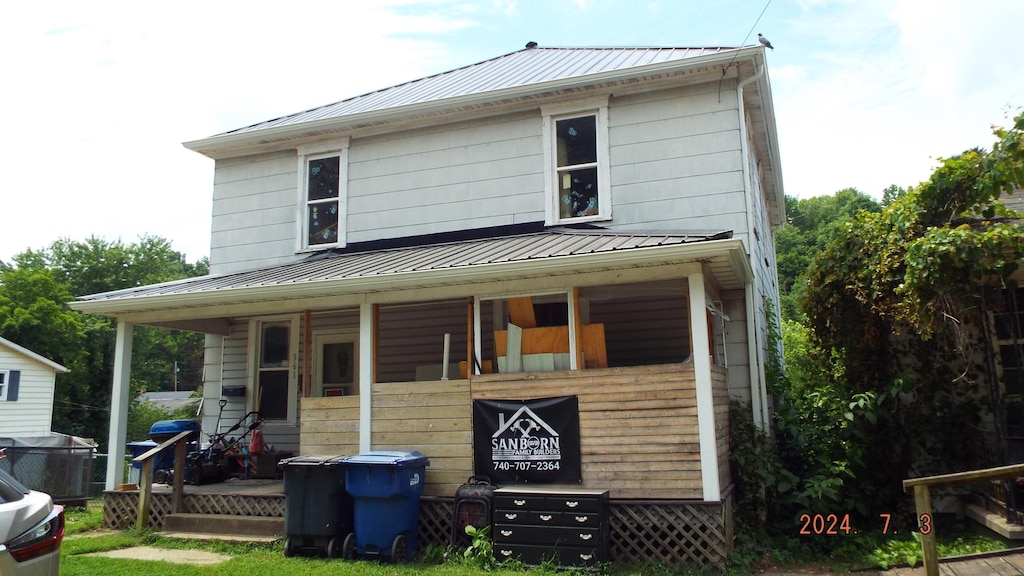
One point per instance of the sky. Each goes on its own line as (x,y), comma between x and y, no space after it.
(98,96)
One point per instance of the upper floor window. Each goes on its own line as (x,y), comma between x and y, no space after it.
(322,193)
(9,385)
(576,153)
(3,385)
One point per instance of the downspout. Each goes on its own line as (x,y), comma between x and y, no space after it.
(758,397)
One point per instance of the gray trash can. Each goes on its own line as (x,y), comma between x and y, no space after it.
(318,509)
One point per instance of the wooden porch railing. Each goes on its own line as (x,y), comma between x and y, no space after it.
(180,443)
(923,503)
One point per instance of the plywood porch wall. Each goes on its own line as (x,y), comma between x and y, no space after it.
(720,394)
(638,426)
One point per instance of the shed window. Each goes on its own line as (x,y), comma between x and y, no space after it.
(9,385)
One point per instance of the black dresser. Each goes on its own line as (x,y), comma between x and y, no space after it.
(567,527)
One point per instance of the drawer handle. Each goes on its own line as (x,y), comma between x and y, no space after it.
(586,536)
(581,519)
(586,557)
(512,516)
(519,502)
(506,532)
(572,503)
(506,552)
(545,517)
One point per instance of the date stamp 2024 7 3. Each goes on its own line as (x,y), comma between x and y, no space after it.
(835,524)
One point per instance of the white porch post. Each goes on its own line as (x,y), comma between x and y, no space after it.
(119,405)
(705,398)
(366,344)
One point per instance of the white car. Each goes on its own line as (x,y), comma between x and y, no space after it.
(31,530)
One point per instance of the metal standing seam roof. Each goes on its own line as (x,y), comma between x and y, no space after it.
(327,267)
(516,69)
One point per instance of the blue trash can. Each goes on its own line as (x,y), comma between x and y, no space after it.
(162,461)
(385,488)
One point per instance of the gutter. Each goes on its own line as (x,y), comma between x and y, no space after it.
(758,394)
(210,146)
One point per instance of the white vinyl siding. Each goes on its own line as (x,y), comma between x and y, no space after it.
(674,164)
(469,175)
(32,413)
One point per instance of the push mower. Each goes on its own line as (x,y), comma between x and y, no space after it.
(217,459)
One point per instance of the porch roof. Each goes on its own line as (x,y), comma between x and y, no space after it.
(332,279)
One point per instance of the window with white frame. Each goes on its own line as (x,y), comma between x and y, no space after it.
(576,153)
(276,352)
(1009,340)
(3,385)
(322,193)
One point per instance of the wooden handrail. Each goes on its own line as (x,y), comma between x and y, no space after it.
(923,503)
(180,442)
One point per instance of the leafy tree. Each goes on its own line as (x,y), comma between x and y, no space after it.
(34,294)
(813,222)
(893,302)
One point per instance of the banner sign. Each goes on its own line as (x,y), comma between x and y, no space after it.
(527,441)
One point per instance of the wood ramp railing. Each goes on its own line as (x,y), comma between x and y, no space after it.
(180,443)
(923,503)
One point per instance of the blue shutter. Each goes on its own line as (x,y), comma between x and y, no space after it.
(13,377)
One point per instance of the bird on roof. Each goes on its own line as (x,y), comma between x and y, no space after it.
(764,42)
(531,44)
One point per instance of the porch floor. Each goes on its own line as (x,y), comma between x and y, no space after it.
(241,486)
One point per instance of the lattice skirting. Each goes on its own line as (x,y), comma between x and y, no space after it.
(121,508)
(675,532)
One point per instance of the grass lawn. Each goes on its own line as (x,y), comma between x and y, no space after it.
(83,538)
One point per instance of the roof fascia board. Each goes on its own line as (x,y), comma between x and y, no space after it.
(559,266)
(213,145)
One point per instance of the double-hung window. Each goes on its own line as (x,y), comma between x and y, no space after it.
(576,155)
(3,385)
(322,195)
(1009,341)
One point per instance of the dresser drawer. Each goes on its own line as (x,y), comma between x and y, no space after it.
(562,556)
(518,501)
(547,535)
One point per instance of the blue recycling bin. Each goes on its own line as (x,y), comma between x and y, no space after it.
(165,459)
(385,488)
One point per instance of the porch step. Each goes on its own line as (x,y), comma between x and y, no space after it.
(224,526)
(994,521)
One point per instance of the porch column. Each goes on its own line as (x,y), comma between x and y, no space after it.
(367,344)
(705,398)
(119,401)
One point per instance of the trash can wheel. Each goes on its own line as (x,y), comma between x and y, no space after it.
(334,547)
(289,547)
(400,549)
(348,548)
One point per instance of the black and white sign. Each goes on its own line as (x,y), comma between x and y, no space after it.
(527,441)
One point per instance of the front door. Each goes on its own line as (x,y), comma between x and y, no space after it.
(335,364)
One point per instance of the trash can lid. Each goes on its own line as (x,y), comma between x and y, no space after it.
(396,458)
(143,443)
(311,461)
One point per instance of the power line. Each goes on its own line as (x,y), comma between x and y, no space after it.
(742,44)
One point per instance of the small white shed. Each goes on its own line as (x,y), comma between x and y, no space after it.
(27,383)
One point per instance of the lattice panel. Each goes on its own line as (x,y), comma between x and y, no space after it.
(670,533)
(271,506)
(121,509)
(435,521)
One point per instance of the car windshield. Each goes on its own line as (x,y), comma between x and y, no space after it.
(10,489)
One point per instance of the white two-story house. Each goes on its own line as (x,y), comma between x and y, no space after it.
(589,223)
